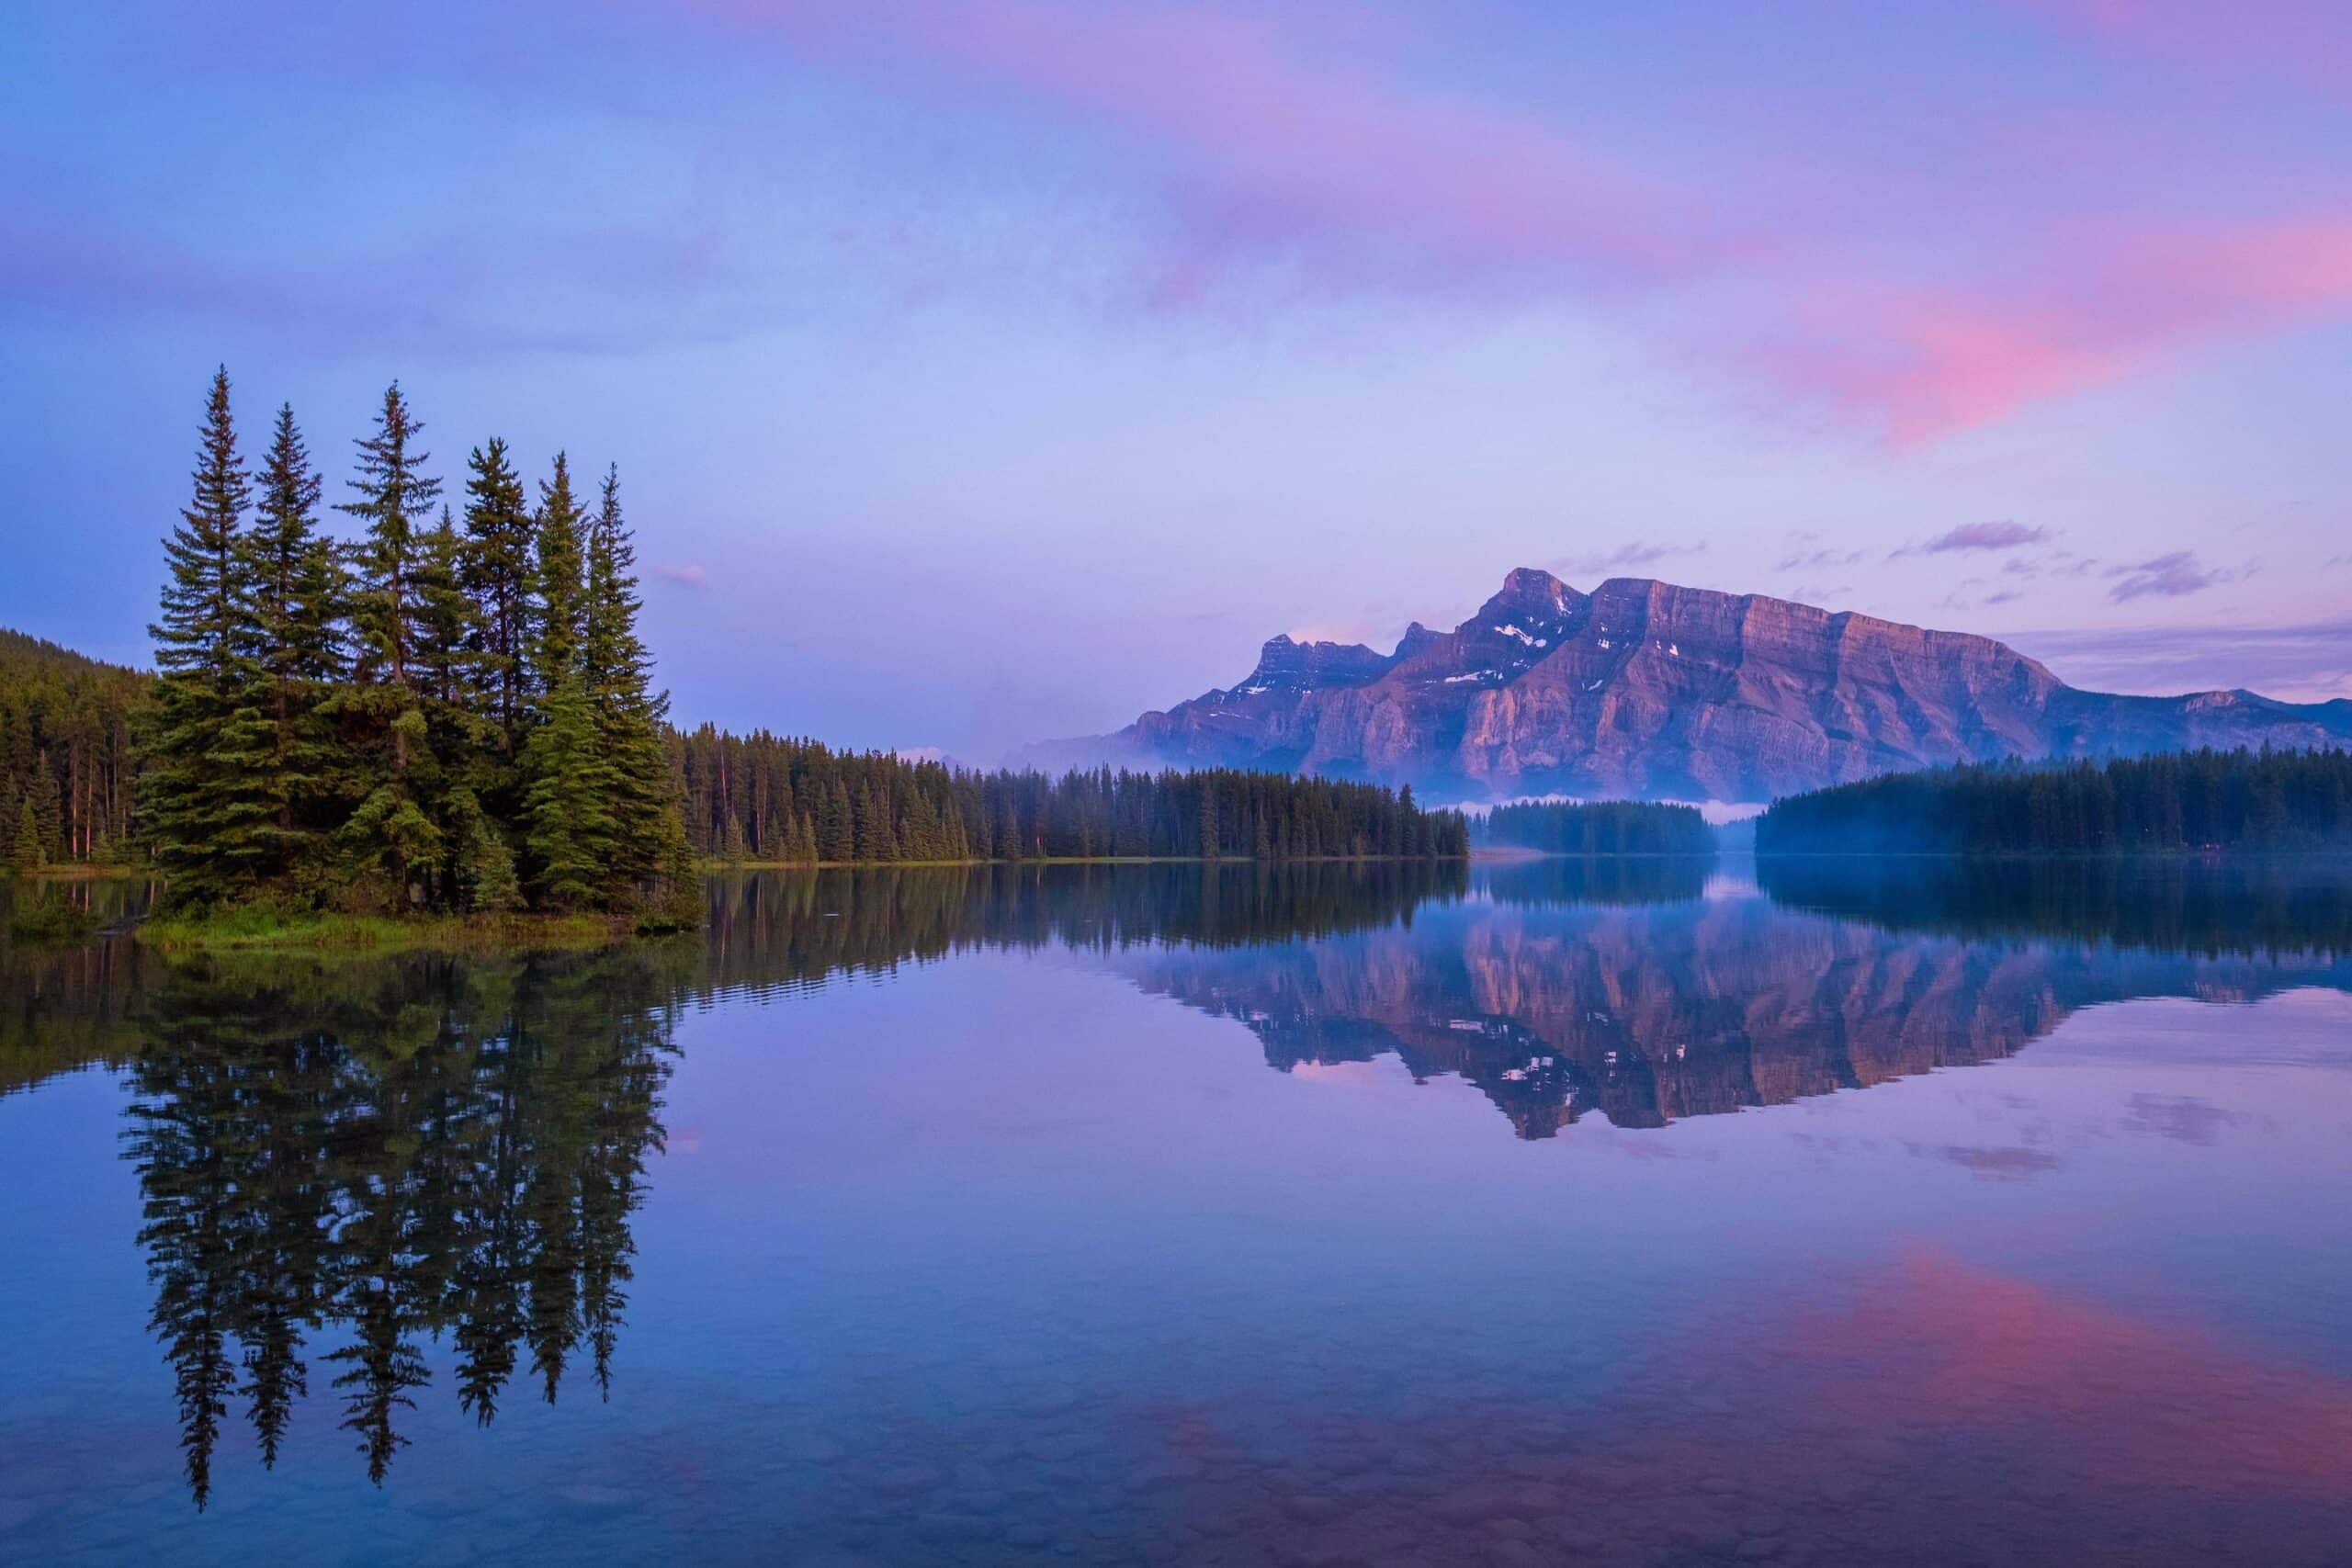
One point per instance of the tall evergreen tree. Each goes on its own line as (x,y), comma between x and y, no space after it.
(206,798)
(557,581)
(26,853)
(498,575)
(650,838)
(395,500)
(297,603)
(475,869)
(568,824)
(392,831)
(356,725)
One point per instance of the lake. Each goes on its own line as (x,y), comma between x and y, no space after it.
(1653,1212)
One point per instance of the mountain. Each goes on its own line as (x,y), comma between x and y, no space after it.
(1648,690)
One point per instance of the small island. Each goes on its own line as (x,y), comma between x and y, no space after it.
(445,734)
(442,720)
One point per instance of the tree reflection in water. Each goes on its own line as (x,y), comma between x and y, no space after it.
(347,1161)
(378,1152)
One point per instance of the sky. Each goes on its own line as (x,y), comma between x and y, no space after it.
(985,372)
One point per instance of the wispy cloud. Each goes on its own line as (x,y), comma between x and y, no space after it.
(1819,561)
(1277,141)
(2174,575)
(1821,594)
(1634,555)
(1267,147)
(684,576)
(1974,537)
(2301,662)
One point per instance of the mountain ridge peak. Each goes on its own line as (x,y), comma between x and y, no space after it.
(1648,688)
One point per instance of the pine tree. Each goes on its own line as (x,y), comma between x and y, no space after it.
(395,497)
(557,580)
(568,785)
(391,835)
(836,830)
(498,575)
(24,854)
(297,592)
(649,832)
(205,799)
(447,636)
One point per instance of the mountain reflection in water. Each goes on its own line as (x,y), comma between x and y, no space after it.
(1663,1003)
(343,1162)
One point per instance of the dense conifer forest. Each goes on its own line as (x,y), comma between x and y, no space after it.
(1597,828)
(450,713)
(66,762)
(2170,803)
(769,799)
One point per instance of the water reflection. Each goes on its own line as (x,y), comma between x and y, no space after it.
(1652,1008)
(373,1182)
(2169,904)
(384,1152)
(773,930)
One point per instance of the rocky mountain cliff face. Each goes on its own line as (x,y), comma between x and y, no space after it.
(1644,689)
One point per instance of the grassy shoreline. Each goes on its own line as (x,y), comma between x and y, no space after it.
(268,929)
(258,931)
(80,870)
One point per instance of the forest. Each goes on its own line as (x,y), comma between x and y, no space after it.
(66,760)
(1597,828)
(454,713)
(445,714)
(762,798)
(2167,802)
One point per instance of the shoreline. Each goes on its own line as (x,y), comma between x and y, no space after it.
(250,930)
(716,867)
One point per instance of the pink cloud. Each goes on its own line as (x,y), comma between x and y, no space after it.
(1271,141)
(1276,143)
(2094,307)
(1318,148)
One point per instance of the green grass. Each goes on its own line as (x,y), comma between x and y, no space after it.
(269,930)
(79,870)
(52,923)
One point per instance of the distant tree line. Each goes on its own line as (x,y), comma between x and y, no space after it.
(767,798)
(66,762)
(2171,801)
(452,712)
(1598,828)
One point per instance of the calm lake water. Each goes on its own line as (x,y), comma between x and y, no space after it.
(1636,1213)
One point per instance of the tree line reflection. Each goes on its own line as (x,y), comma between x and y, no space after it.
(378,1155)
(343,1162)
(1648,1013)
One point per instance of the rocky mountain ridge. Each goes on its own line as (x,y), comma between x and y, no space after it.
(1645,689)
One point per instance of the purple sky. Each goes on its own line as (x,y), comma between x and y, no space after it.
(981,372)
